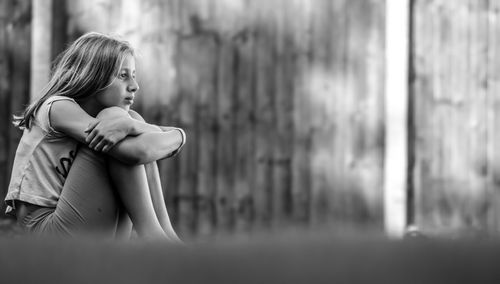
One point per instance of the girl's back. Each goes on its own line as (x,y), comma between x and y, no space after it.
(43,159)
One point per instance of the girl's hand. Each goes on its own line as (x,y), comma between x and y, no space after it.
(112,126)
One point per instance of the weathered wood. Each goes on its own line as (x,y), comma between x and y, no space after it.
(493,113)
(301,171)
(42,46)
(187,80)
(322,120)
(243,202)
(281,102)
(283,108)
(265,58)
(477,203)
(451,101)
(226,138)
(206,66)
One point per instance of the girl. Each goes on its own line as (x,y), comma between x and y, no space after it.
(85,154)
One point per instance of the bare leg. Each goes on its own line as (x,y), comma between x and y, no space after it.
(154,183)
(87,204)
(90,201)
(132,187)
(124,228)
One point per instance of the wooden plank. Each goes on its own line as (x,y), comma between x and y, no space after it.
(301,171)
(421,91)
(493,112)
(41,46)
(225,120)
(281,163)
(202,61)
(265,58)
(360,118)
(322,79)
(476,199)
(396,103)
(452,168)
(429,115)
(243,202)
(205,63)
(189,159)
(370,170)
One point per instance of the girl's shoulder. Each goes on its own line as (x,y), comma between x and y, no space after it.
(43,113)
(52,99)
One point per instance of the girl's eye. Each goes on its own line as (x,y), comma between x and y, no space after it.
(123,75)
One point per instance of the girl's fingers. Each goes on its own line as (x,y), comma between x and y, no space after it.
(91,136)
(107,147)
(91,126)
(95,140)
(98,147)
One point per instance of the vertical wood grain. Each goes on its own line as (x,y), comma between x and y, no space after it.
(493,103)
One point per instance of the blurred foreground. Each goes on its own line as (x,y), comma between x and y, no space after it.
(320,257)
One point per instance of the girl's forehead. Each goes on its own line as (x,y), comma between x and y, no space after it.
(128,62)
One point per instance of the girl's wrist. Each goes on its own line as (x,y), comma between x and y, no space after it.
(139,127)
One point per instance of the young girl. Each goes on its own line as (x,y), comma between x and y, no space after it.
(84,154)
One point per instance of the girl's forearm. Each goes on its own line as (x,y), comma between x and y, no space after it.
(147,147)
(141,127)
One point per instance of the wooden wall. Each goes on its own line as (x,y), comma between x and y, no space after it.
(282,102)
(455,85)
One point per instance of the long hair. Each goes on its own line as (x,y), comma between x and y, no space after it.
(84,69)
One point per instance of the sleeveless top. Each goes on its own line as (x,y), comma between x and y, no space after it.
(42,162)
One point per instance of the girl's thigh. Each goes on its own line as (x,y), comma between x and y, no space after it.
(88,204)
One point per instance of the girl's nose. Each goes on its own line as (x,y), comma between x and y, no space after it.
(133,87)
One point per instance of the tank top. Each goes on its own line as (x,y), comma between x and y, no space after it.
(42,162)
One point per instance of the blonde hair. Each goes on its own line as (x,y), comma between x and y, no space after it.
(84,69)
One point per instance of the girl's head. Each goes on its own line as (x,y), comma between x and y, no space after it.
(85,69)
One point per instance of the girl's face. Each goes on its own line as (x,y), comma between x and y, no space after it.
(122,90)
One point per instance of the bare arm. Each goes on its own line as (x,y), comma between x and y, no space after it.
(147,147)
(109,130)
(69,118)
(155,142)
